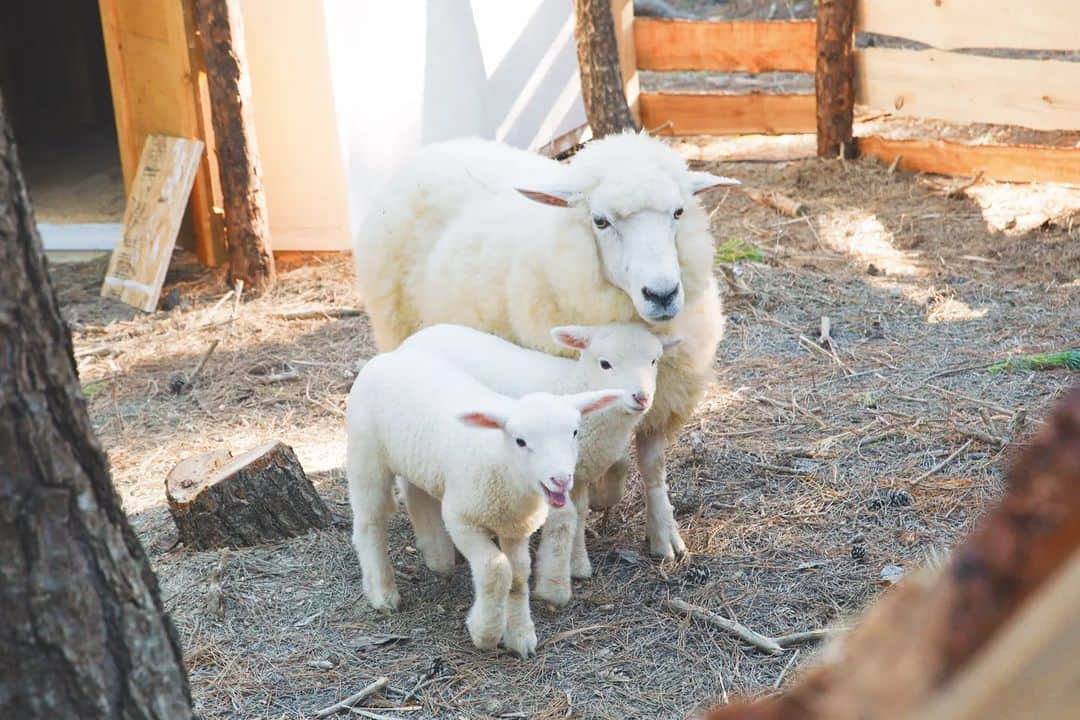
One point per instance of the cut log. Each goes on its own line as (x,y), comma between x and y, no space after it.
(218,500)
(835,78)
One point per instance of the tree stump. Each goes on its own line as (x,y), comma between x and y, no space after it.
(218,500)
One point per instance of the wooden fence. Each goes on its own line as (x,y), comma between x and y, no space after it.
(935,83)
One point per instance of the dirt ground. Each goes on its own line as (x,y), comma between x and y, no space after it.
(808,469)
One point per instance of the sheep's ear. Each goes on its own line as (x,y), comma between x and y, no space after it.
(590,402)
(483,420)
(669,341)
(557,196)
(575,337)
(702,181)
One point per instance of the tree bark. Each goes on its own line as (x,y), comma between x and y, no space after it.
(221,33)
(835,78)
(598,61)
(83,633)
(261,496)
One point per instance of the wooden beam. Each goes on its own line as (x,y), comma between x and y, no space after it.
(746,45)
(950,24)
(835,78)
(1039,94)
(1028,163)
(698,114)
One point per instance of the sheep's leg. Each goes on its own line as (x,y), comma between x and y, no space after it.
(491,575)
(607,491)
(580,567)
(371,494)
(520,633)
(660,527)
(431,536)
(553,555)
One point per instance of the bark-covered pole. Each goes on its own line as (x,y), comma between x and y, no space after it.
(221,33)
(835,78)
(83,633)
(601,76)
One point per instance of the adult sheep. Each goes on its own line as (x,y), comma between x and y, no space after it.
(477,233)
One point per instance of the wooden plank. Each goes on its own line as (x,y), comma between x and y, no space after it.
(746,45)
(154,79)
(1031,668)
(698,114)
(152,219)
(1039,94)
(1043,25)
(1004,163)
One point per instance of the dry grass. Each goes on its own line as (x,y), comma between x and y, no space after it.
(786,482)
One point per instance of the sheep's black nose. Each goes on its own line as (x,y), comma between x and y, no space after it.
(663,298)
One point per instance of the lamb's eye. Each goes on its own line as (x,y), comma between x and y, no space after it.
(575,433)
(605,365)
(678,213)
(654,361)
(520,442)
(600,222)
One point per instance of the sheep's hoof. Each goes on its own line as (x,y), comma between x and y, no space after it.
(484,634)
(667,544)
(580,568)
(385,601)
(521,641)
(553,592)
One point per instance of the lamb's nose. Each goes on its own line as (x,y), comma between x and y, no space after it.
(562,481)
(641,398)
(663,298)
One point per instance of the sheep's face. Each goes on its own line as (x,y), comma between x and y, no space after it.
(635,219)
(623,357)
(540,432)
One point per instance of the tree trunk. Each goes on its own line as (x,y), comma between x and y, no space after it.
(83,633)
(261,496)
(835,78)
(221,33)
(601,77)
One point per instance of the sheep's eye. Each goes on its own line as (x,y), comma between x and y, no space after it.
(605,365)
(520,442)
(575,433)
(678,213)
(654,361)
(600,222)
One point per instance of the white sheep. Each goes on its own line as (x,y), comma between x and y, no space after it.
(480,462)
(620,357)
(616,235)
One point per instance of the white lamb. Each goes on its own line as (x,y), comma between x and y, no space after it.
(622,357)
(485,464)
(615,236)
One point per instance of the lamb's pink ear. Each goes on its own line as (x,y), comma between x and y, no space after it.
(702,181)
(483,420)
(669,341)
(559,197)
(575,337)
(590,402)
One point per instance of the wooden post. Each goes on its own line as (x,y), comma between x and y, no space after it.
(83,631)
(601,75)
(835,78)
(221,33)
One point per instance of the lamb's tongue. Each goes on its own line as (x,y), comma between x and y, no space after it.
(556,499)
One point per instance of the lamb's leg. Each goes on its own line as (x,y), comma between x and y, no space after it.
(431,536)
(371,486)
(491,575)
(553,555)
(607,491)
(580,567)
(520,634)
(660,527)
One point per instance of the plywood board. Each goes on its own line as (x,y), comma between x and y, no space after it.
(1009,164)
(152,219)
(698,114)
(950,24)
(154,74)
(745,45)
(1038,94)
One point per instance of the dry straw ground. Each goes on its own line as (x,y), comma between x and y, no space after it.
(809,468)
